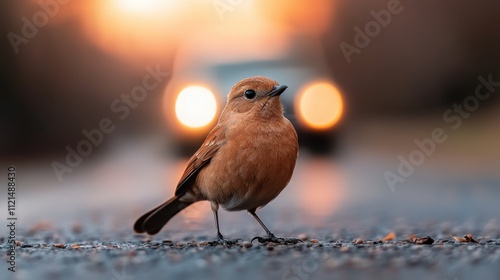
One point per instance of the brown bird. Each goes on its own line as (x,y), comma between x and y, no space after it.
(245,162)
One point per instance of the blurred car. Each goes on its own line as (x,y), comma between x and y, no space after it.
(204,75)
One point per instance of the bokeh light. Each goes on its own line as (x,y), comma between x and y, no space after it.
(195,106)
(319,106)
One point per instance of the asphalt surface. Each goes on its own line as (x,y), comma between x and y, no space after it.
(82,228)
(48,253)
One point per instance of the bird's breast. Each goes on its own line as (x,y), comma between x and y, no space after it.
(253,167)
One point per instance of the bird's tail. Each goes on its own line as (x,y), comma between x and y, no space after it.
(154,220)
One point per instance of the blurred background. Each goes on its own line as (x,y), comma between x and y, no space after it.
(104,101)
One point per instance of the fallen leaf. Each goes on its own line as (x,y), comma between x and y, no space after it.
(389,237)
(421,240)
(467,238)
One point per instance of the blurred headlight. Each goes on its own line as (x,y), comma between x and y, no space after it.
(195,107)
(319,106)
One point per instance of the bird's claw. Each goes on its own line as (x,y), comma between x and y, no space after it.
(275,239)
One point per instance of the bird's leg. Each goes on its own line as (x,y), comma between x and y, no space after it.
(270,235)
(216,218)
(220,238)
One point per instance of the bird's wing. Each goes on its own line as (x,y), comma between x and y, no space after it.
(213,142)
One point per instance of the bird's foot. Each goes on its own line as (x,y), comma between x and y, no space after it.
(272,238)
(221,241)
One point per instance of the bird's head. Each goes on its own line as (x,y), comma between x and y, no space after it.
(255,96)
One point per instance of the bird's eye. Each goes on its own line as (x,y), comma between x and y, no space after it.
(250,94)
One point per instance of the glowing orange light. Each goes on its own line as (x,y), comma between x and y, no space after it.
(320,106)
(134,29)
(195,106)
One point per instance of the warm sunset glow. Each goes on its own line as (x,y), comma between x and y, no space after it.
(135,29)
(300,14)
(141,6)
(195,106)
(320,106)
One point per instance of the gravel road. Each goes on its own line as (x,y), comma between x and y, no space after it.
(82,229)
(48,253)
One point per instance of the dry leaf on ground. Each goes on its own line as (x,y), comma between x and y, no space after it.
(467,238)
(389,237)
(421,240)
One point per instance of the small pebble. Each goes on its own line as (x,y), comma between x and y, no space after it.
(247,244)
(314,241)
(303,236)
(59,245)
(75,246)
(358,241)
(270,246)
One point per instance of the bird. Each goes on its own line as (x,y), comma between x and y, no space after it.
(246,160)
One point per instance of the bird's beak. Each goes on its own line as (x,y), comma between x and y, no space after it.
(277,90)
